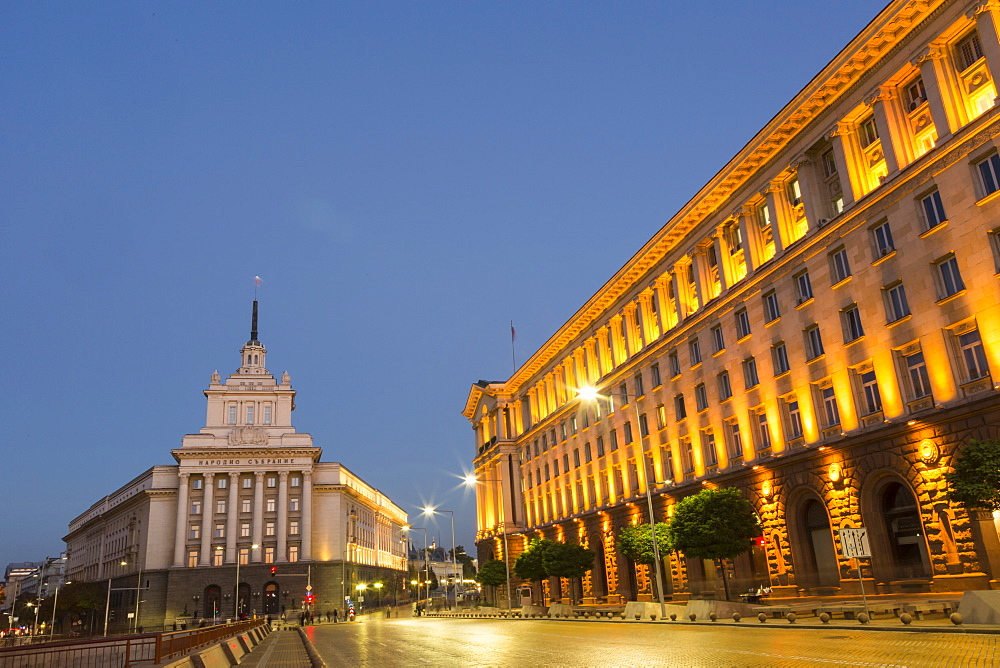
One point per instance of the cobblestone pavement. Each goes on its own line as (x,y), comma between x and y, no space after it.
(280,649)
(492,642)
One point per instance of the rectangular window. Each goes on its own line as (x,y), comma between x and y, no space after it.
(949,278)
(267,413)
(718,339)
(293,553)
(195,531)
(830,410)
(680,411)
(851,318)
(867,131)
(295,481)
(915,94)
(192,558)
(675,365)
(196,483)
(562,430)
(667,460)
(293,527)
(896,306)
(272,481)
(232,415)
(622,394)
(613,439)
(882,240)
(771,310)
(599,444)
(725,387)
(794,192)
(708,448)
(247,483)
(245,506)
(933,210)
(655,372)
(971,346)
(661,416)
(794,418)
(220,507)
(268,528)
(814,342)
(221,482)
(762,431)
(293,505)
(250,414)
(735,439)
(269,554)
(643,426)
(588,455)
(750,378)
(244,556)
(244,530)
(196,507)
(804,287)
(742,324)
(700,396)
(627,432)
(694,348)
(217,556)
(839,267)
(968,51)
(220,531)
(779,358)
(916,370)
(639,390)
(270,505)
(573,426)
(871,399)
(687,455)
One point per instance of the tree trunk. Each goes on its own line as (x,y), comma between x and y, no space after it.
(725,581)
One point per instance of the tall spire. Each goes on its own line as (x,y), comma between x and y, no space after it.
(253,326)
(253,353)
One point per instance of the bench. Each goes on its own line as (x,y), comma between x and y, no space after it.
(850,611)
(776,611)
(918,609)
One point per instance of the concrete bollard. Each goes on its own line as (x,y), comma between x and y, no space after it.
(863,618)
(762,617)
(906,618)
(712,616)
(736,616)
(824,617)
(673,616)
(790,617)
(693,617)
(956,618)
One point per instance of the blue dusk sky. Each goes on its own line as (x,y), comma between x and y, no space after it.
(406,177)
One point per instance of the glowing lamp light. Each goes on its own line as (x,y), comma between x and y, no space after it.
(834,472)
(766,489)
(587,393)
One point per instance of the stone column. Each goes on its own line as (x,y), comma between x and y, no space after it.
(307,493)
(989,36)
(282,528)
(778,215)
(207,515)
(724,258)
(180,534)
(258,516)
(663,303)
(887,140)
(848,180)
(932,63)
(234,514)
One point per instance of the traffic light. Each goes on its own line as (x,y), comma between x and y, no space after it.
(274,570)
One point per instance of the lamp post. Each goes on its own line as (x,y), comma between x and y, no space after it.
(378,591)
(55,602)
(590,394)
(472,480)
(236,605)
(428,585)
(431,511)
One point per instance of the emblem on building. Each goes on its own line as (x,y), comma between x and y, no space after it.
(248,436)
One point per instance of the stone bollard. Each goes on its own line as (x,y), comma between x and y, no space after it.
(790,617)
(762,617)
(638,616)
(652,616)
(956,618)
(712,616)
(736,616)
(906,618)
(863,618)
(673,616)
(693,617)
(824,617)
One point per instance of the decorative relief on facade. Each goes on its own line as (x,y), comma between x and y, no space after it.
(248,436)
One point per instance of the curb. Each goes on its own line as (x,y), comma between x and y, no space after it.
(314,658)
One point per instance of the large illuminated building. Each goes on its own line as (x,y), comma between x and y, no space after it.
(819,326)
(248,520)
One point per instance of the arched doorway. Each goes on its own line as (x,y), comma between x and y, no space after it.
(243,598)
(813,551)
(904,532)
(271,596)
(599,579)
(213,601)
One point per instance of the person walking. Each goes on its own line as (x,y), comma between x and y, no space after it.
(335,612)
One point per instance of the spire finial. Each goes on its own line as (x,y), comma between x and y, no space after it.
(253,324)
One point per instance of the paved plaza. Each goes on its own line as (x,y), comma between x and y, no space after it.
(498,642)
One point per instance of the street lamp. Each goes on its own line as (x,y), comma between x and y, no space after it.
(472,480)
(55,602)
(430,510)
(428,586)
(378,591)
(236,605)
(590,394)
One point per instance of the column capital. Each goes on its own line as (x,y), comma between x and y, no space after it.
(772,187)
(880,94)
(306,475)
(931,52)
(259,475)
(234,475)
(283,475)
(839,129)
(797,162)
(184,477)
(209,476)
(979,7)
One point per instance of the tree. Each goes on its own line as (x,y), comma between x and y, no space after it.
(567,560)
(634,542)
(492,573)
(468,565)
(714,524)
(530,565)
(974,481)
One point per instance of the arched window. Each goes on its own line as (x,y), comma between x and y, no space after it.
(271,591)
(213,601)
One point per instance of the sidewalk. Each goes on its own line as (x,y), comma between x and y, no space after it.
(279,649)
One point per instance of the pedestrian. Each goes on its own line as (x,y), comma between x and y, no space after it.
(334,615)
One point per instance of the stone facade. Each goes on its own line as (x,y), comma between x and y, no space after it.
(819,326)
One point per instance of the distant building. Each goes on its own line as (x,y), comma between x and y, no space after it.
(438,560)
(818,327)
(248,494)
(13,575)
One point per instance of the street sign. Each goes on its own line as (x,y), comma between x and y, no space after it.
(854,543)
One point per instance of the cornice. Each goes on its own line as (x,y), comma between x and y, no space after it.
(881,37)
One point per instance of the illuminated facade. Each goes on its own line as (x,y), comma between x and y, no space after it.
(246,489)
(818,326)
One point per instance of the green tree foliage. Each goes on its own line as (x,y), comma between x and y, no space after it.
(530,565)
(567,560)
(974,481)
(468,565)
(714,524)
(635,544)
(492,573)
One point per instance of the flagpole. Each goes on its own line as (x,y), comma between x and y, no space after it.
(513,360)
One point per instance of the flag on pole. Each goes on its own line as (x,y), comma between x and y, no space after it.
(512,332)
(257,280)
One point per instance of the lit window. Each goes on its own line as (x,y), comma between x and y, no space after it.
(192,558)
(708,448)
(814,342)
(296,481)
(562,430)
(701,396)
(247,483)
(195,531)
(573,424)
(949,278)
(245,506)
(217,557)
(882,240)
(766,232)
(269,528)
(750,378)
(779,358)
(839,267)
(794,418)
(804,287)
(220,507)
(851,317)
(293,553)
(244,530)
(735,439)
(971,346)
(916,369)
(933,210)
(196,507)
(680,410)
(794,192)
(896,306)
(725,387)
(762,431)
(293,527)
(742,324)
(270,505)
(871,399)
(293,504)
(695,350)
(718,339)
(989,174)
(221,482)
(220,531)
(915,94)
(269,554)
(661,416)
(771,310)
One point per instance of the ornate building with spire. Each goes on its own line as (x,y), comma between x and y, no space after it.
(249,520)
